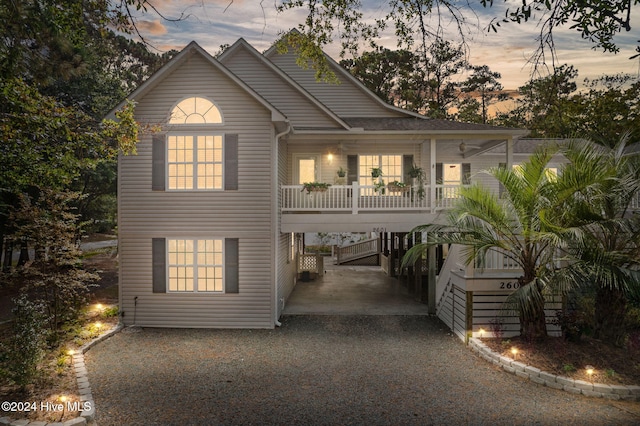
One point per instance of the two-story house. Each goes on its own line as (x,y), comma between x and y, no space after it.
(212,207)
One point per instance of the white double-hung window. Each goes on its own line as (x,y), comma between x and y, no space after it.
(194,161)
(195,265)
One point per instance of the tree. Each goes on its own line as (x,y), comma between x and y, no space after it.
(419,82)
(596,189)
(385,72)
(46,145)
(344,20)
(545,105)
(482,222)
(609,111)
(484,84)
(552,107)
(441,63)
(55,277)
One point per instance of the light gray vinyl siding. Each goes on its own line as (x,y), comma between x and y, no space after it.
(327,170)
(299,109)
(244,213)
(286,267)
(345,99)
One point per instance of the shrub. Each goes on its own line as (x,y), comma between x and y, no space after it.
(26,346)
(110,312)
(571,323)
(496,325)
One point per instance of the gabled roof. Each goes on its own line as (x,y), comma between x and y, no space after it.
(194,49)
(342,73)
(242,44)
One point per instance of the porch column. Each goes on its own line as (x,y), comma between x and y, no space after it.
(509,153)
(392,254)
(431,280)
(432,175)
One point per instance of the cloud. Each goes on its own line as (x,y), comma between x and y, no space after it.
(217,22)
(151,27)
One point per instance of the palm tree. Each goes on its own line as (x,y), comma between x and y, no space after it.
(482,222)
(597,189)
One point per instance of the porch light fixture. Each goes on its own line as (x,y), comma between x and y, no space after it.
(330,157)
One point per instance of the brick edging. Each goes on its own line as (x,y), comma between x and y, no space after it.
(598,390)
(84,389)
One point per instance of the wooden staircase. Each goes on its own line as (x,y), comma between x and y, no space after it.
(361,253)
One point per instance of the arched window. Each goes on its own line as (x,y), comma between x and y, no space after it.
(195,110)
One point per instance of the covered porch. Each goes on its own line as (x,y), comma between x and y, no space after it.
(352,290)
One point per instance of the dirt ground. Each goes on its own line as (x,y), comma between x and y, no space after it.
(57,376)
(611,365)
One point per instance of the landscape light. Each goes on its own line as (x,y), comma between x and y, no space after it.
(590,371)
(514,351)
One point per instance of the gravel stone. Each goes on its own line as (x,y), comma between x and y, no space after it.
(323,370)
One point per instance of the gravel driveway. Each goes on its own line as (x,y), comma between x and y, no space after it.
(325,370)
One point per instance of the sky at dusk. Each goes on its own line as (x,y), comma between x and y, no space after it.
(212,23)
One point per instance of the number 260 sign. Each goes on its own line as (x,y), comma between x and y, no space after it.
(509,285)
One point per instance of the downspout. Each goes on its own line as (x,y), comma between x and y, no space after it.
(276,228)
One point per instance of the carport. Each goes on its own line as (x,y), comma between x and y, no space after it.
(352,290)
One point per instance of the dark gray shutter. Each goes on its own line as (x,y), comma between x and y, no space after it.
(231,162)
(439,175)
(159,260)
(352,169)
(407,164)
(466,173)
(158,153)
(231,279)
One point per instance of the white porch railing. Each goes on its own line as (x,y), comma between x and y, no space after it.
(496,260)
(356,198)
(357,250)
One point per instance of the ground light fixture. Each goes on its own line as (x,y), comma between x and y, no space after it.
(63,399)
(590,370)
(481,331)
(514,352)
(71,352)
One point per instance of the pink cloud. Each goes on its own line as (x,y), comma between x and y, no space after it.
(152,27)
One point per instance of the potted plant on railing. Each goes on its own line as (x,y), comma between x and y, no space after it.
(417,174)
(397,186)
(315,187)
(340,180)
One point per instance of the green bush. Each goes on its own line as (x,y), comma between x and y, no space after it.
(26,346)
(110,312)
